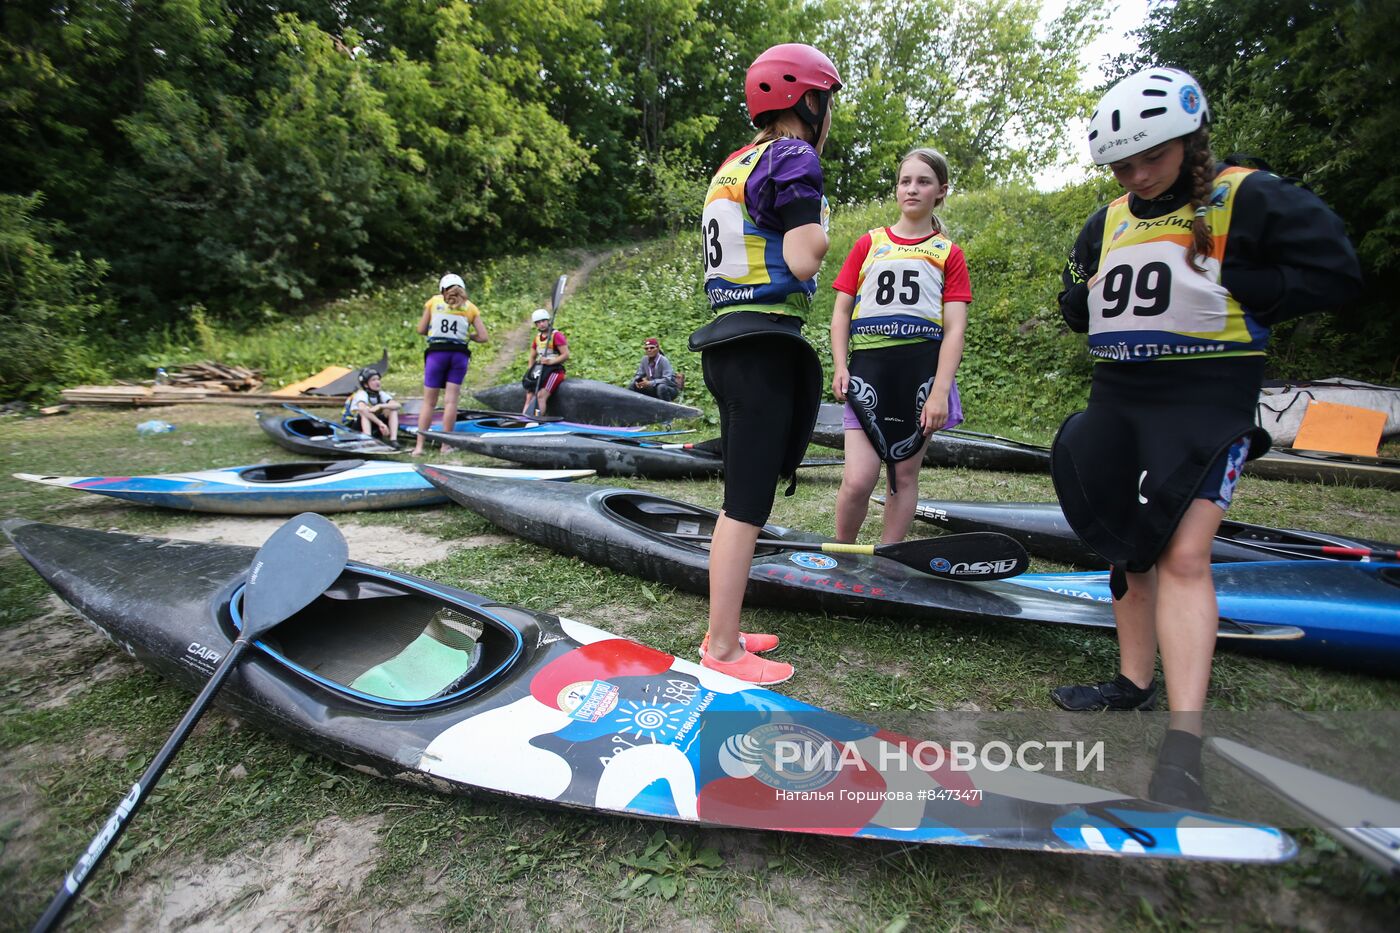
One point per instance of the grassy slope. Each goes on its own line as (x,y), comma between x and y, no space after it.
(477,862)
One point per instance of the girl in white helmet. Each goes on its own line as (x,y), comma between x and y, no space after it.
(451,323)
(764,236)
(549,351)
(900,316)
(1177,283)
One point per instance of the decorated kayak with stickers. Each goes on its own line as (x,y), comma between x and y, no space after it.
(1349,611)
(649,536)
(589,400)
(1042,528)
(285,488)
(409,679)
(310,435)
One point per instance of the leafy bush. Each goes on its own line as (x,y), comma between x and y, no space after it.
(53,307)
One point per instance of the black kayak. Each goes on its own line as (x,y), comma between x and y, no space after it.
(609,456)
(1042,528)
(950,448)
(404,678)
(591,401)
(348,383)
(638,533)
(304,433)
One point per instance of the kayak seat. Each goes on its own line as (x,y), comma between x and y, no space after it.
(308,427)
(390,643)
(294,472)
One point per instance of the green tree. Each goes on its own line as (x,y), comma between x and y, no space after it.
(975,79)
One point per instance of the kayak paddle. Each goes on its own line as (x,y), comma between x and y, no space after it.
(977,555)
(1329,550)
(294,566)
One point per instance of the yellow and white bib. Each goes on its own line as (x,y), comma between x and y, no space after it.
(899,294)
(1147,303)
(449,326)
(744,265)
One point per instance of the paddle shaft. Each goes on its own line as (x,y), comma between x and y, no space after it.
(107,837)
(1331,550)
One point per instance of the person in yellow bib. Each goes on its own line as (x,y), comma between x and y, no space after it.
(900,316)
(1177,283)
(451,323)
(549,351)
(764,233)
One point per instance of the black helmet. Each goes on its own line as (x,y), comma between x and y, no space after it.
(366,374)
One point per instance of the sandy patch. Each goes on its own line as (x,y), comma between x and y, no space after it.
(298,883)
(371,544)
(54,656)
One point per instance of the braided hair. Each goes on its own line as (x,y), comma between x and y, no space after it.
(1200,162)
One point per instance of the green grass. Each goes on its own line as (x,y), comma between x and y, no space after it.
(78,720)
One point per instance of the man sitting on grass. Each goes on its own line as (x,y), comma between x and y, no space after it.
(655,376)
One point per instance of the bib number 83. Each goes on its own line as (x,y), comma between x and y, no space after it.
(1153,285)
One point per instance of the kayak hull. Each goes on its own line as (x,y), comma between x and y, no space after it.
(589,400)
(629,531)
(1041,527)
(575,717)
(608,456)
(479,421)
(1349,611)
(282,489)
(316,437)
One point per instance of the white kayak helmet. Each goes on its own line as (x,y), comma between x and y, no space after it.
(540,315)
(1145,110)
(449,280)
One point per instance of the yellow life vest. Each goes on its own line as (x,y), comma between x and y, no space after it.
(1147,303)
(899,294)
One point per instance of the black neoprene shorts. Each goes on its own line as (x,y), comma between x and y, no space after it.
(754,382)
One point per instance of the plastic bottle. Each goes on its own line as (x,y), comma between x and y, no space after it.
(162,377)
(154,426)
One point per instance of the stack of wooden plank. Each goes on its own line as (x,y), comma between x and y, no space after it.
(207,374)
(182,395)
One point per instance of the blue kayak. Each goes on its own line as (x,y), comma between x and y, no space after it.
(1349,611)
(286,488)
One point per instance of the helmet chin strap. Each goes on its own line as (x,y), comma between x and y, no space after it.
(813,118)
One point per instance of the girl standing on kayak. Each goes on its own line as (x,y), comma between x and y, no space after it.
(901,310)
(764,237)
(1177,283)
(449,322)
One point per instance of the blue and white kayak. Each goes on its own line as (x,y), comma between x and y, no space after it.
(1349,611)
(286,488)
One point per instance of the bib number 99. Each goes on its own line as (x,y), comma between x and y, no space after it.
(1153,286)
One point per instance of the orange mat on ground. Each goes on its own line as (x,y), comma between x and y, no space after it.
(1344,429)
(324,377)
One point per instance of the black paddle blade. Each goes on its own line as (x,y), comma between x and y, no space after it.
(977,555)
(294,566)
(558,297)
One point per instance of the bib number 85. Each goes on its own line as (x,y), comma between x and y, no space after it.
(1153,285)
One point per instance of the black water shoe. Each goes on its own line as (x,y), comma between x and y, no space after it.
(1118,693)
(1179,780)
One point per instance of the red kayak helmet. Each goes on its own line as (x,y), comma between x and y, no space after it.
(779,77)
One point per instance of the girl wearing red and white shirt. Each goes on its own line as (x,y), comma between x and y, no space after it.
(901,313)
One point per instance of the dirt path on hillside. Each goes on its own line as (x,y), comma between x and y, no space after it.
(490,374)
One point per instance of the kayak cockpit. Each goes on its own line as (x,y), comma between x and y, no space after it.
(382,639)
(296,472)
(667,518)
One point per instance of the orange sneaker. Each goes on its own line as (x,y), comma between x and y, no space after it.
(751,668)
(757,642)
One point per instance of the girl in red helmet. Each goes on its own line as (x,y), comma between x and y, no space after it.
(1177,283)
(764,233)
(901,311)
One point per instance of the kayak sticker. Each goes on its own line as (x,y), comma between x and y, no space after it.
(588,701)
(814,561)
(658,722)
